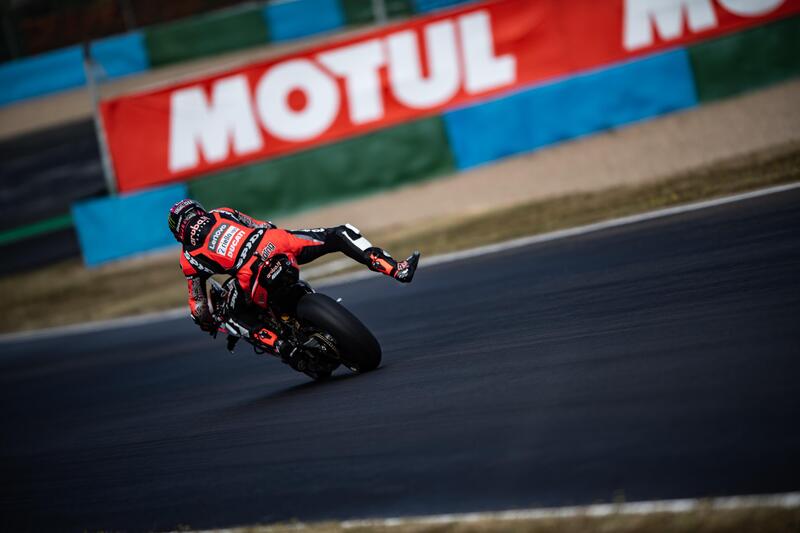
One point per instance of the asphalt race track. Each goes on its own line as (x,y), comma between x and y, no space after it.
(657,360)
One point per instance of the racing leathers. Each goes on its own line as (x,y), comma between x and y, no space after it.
(225,241)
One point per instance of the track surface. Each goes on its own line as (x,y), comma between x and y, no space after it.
(659,359)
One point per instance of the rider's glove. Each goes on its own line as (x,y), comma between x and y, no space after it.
(205,321)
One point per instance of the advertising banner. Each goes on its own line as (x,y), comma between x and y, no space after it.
(396,74)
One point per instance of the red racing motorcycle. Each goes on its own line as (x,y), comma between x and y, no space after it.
(322,334)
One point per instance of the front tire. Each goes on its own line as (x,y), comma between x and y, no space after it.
(358,348)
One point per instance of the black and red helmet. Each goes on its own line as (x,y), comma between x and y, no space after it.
(180,214)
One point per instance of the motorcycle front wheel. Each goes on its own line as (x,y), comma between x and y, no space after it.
(358,348)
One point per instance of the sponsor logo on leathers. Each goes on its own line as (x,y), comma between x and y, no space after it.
(212,244)
(226,239)
(196,264)
(254,238)
(196,228)
(234,243)
(267,251)
(277,268)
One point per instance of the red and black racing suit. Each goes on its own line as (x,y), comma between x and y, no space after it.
(225,241)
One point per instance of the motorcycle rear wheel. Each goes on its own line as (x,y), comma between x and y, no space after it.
(358,348)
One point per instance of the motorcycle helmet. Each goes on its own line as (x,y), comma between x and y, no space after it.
(180,214)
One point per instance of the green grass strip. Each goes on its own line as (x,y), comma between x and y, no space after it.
(48,225)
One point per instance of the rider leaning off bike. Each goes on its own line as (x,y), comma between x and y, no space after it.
(225,241)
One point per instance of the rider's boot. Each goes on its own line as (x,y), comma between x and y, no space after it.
(381,261)
(405,269)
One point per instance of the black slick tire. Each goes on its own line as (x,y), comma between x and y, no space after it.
(358,347)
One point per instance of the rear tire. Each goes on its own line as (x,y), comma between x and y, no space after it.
(358,347)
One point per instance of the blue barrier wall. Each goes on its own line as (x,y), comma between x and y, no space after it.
(42,74)
(571,108)
(300,18)
(63,69)
(121,55)
(117,227)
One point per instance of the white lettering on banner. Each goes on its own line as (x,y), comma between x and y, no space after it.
(405,71)
(483,71)
(359,65)
(668,17)
(457,51)
(750,8)
(197,125)
(272,100)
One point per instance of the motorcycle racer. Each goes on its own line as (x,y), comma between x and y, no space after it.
(226,241)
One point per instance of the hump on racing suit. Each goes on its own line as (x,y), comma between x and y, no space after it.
(220,241)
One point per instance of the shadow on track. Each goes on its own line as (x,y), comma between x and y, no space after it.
(300,390)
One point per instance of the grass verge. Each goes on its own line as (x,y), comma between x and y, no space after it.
(702,520)
(68,293)
(774,167)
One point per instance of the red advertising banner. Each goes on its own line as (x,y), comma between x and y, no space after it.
(396,74)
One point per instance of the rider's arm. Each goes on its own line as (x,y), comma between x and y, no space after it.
(198,300)
(245,220)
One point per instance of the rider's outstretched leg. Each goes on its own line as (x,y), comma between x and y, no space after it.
(348,240)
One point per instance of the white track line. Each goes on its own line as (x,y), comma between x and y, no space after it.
(573,232)
(786,500)
(427,261)
(99,325)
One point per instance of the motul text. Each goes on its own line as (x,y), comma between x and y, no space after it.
(396,74)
